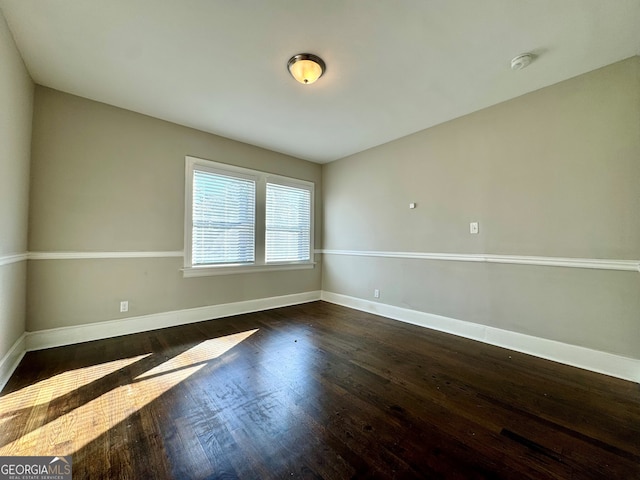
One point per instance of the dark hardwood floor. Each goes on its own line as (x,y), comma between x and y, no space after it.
(317,391)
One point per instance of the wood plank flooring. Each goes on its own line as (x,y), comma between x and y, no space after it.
(317,391)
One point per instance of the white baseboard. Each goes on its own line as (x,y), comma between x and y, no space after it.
(581,357)
(57,337)
(585,358)
(10,361)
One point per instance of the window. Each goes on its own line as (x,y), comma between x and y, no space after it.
(224,219)
(239,220)
(288,219)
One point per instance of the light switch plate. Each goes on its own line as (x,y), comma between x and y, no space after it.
(474,228)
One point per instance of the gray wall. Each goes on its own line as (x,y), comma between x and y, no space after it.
(554,173)
(16,105)
(107,180)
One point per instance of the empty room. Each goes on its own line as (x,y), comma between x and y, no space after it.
(319,239)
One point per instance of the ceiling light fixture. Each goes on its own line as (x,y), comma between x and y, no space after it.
(306,67)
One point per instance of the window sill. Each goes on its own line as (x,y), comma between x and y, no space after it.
(207,271)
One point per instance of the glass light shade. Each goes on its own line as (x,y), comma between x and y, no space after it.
(306,68)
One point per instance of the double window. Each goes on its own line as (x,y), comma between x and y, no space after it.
(244,220)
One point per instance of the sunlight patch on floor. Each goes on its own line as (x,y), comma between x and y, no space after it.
(75,429)
(202,352)
(59,385)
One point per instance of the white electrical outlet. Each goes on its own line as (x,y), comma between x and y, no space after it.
(376,293)
(474,227)
(124,306)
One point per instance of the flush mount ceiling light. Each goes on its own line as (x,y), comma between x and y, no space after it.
(521,61)
(306,67)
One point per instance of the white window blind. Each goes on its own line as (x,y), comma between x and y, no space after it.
(223,225)
(238,220)
(288,224)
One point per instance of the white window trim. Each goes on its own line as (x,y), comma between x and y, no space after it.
(261,178)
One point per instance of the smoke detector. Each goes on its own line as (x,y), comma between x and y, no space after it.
(521,61)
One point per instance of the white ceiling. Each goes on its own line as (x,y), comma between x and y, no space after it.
(394,67)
